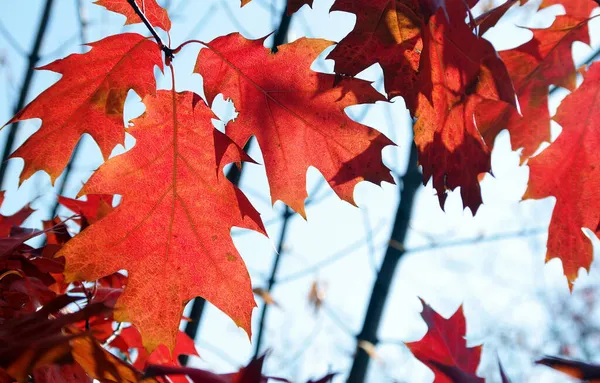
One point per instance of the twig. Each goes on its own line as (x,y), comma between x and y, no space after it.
(168,51)
(287,214)
(11,40)
(33,59)
(410,182)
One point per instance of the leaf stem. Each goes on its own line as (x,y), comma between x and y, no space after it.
(169,53)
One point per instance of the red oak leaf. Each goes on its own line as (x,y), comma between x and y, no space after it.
(65,373)
(444,349)
(94,208)
(171,231)
(156,15)
(461,70)
(568,170)
(387,32)
(534,66)
(489,19)
(575,8)
(87,101)
(296,114)
(17,219)
(183,346)
(294,5)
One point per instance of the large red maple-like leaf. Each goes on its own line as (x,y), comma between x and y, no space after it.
(386,32)
(156,15)
(444,349)
(543,61)
(458,71)
(569,170)
(171,231)
(296,114)
(87,101)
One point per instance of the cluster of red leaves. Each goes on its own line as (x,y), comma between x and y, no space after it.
(171,233)
(52,331)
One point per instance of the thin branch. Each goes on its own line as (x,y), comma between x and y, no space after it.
(347,251)
(287,214)
(168,51)
(11,40)
(410,182)
(337,256)
(33,59)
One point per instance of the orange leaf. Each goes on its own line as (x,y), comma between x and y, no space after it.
(171,231)
(444,349)
(568,170)
(156,15)
(296,114)
(100,364)
(87,101)
(266,296)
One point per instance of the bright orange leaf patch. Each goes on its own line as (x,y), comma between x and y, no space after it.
(171,231)
(91,100)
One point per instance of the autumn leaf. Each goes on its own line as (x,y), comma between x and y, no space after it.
(17,219)
(296,114)
(156,15)
(458,71)
(266,296)
(87,101)
(183,346)
(37,339)
(489,19)
(98,363)
(387,32)
(587,372)
(568,170)
(444,349)
(252,373)
(576,8)
(295,5)
(63,373)
(171,231)
(94,208)
(543,61)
